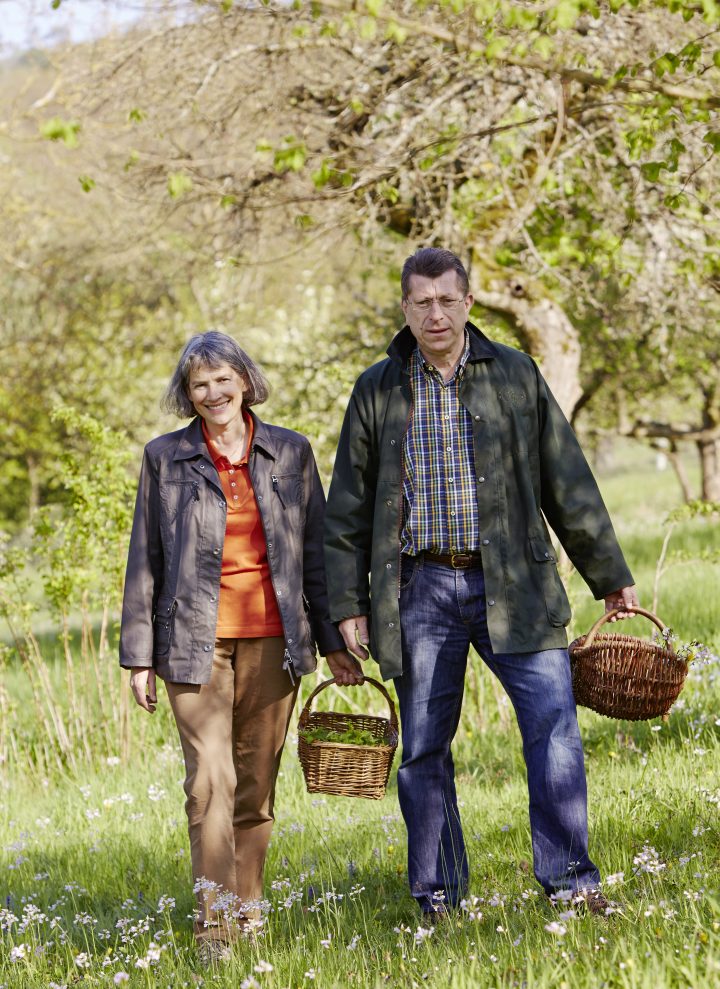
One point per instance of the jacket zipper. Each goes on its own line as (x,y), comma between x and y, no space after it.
(290,667)
(275,489)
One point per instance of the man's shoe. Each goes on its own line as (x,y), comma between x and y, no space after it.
(211,951)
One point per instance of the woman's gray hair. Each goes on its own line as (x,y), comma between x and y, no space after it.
(212,349)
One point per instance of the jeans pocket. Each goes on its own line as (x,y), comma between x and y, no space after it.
(409,567)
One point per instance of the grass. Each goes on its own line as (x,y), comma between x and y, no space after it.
(96,886)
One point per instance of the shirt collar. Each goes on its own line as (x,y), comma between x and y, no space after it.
(430,369)
(220,460)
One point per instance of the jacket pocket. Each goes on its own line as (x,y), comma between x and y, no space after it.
(288,488)
(176,497)
(163,627)
(556,602)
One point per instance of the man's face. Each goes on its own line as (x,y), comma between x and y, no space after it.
(436,312)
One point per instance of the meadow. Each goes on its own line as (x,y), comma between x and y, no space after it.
(96,887)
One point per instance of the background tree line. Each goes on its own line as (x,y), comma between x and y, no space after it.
(264,169)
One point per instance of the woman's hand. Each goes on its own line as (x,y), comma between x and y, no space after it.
(142,684)
(346,670)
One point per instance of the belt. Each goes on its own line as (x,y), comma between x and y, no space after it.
(458,561)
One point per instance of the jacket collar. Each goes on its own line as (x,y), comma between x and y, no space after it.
(192,443)
(404,343)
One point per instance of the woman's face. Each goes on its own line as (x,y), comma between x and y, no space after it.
(216,394)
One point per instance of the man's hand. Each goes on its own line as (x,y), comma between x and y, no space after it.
(355,633)
(142,684)
(345,668)
(626,597)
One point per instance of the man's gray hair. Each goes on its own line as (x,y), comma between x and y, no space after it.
(432,262)
(212,349)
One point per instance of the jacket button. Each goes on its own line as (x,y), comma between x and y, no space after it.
(201,466)
(391,624)
(259,497)
(392,442)
(216,551)
(491,602)
(289,642)
(547,556)
(486,542)
(269,545)
(207,648)
(477,418)
(388,566)
(389,503)
(213,597)
(278,593)
(481,480)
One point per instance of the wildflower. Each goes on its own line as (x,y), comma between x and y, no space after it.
(112,760)
(554,927)
(18,952)
(83,960)
(614,878)
(327,941)
(263,967)
(250,983)
(648,861)
(310,974)
(353,943)
(422,933)
(155,792)
(166,903)
(120,977)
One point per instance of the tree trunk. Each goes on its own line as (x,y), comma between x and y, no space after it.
(544,329)
(709,450)
(680,472)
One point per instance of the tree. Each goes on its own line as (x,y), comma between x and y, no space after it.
(566,150)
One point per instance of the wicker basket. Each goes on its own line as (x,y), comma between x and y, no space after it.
(624,677)
(347,770)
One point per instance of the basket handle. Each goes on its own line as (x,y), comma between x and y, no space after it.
(305,713)
(616,611)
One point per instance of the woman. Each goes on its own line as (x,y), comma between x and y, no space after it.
(225,600)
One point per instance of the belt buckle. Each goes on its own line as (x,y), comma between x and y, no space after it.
(460,561)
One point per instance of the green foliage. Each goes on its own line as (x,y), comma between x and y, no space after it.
(58,129)
(81,554)
(348,736)
(178,184)
(290,156)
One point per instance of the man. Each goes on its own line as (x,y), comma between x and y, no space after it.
(453,453)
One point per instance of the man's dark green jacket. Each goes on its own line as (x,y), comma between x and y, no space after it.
(529,468)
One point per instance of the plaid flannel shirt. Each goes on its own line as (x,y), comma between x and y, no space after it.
(440,512)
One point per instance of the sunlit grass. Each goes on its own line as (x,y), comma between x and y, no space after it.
(96,885)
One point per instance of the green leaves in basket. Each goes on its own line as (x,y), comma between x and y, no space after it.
(350,736)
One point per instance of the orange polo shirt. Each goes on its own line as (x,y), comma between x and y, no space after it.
(247,607)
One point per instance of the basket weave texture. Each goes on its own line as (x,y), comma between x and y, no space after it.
(621,676)
(347,770)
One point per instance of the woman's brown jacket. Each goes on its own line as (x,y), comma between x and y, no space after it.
(172,582)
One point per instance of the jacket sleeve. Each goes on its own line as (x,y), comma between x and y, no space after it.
(572,503)
(143,574)
(350,511)
(325,633)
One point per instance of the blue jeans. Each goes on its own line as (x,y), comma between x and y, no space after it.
(443,611)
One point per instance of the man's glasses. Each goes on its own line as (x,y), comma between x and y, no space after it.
(425,305)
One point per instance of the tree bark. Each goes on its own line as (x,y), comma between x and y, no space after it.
(709,450)
(544,330)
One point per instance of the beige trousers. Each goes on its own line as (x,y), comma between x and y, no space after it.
(232,732)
